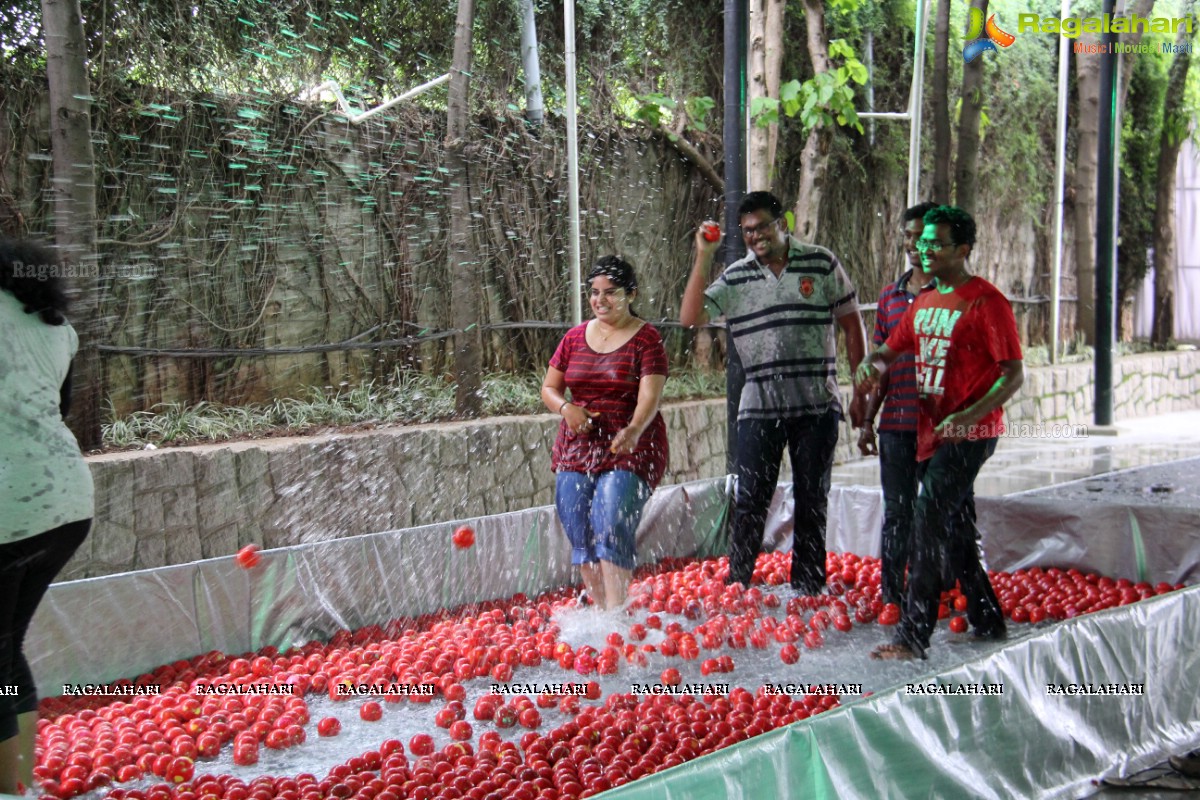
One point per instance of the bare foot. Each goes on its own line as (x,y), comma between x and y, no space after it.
(893,652)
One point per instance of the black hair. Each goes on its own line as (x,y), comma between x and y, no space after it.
(919,211)
(961,224)
(760,201)
(30,272)
(617,270)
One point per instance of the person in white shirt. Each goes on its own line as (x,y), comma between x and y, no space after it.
(46,494)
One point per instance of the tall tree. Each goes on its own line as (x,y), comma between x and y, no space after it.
(74,193)
(1174,131)
(966,164)
(531,65)
(766,59)
(814,158)
(940,104)
(463,264)
(1087,89)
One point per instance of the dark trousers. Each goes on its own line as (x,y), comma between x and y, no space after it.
(945,546)
(899,479)
(27,567)
(810,442)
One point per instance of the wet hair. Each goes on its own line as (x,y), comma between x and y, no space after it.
(30,273)
(961,224)
(617,270)
(760,201)
(919,211)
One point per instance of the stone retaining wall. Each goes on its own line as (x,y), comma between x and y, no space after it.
(176,505)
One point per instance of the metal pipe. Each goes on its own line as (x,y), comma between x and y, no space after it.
(355,117)
(573,165)
(1060,172)
(869,54)
(914,104)
(1105,204)
(736,22)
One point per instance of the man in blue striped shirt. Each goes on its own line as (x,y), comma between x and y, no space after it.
(780,303)
(897,447)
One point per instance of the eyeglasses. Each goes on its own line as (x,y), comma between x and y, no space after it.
(931,245)
(758,230)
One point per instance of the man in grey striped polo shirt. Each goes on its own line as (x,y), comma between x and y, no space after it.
(780,303)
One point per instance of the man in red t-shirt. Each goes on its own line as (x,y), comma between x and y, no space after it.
(964,337)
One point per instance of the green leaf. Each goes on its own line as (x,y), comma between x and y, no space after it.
(858,72)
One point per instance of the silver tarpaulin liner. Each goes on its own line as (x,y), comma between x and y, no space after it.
(101,629)
(1043,737)
(1026,742)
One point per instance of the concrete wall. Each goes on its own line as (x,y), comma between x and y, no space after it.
(177,505)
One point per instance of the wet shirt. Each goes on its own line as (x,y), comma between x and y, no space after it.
(959,339)
(899,414)
(44,481)
(783,329)
(608,383)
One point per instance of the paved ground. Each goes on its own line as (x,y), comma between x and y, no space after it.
(1030,462)
(1033,462)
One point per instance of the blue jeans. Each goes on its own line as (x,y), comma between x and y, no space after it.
(600,514)
(898,477)
(945,546)
(810,442)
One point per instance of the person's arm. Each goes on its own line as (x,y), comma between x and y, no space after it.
(856,345)
(650,389)
(872,368)
(955,427)
(691,309)
(866,438)
(554,388)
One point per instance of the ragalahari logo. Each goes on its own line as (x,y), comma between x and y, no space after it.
(981,38)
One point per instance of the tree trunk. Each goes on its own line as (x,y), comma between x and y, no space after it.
(74,196)
(534,111)
(1087,81)
(465,278)
(814,159)
(766,61)
(940,102)
(1174,130)
(966,165)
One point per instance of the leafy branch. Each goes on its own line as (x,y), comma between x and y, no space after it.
(821,101)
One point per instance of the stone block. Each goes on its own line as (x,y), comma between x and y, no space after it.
(179,508)
(163,469)
(113,548)
(151,550)
(223,541)
(183,546)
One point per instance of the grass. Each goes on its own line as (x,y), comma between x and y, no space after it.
(411,399)
(408,399)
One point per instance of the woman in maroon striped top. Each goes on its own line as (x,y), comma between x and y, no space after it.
(611,448)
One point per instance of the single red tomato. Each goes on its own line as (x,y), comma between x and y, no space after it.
(248,557)
(329,726)
(958,624)
(464,537)
(371,711)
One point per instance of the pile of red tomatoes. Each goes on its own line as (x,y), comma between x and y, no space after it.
(156,747)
